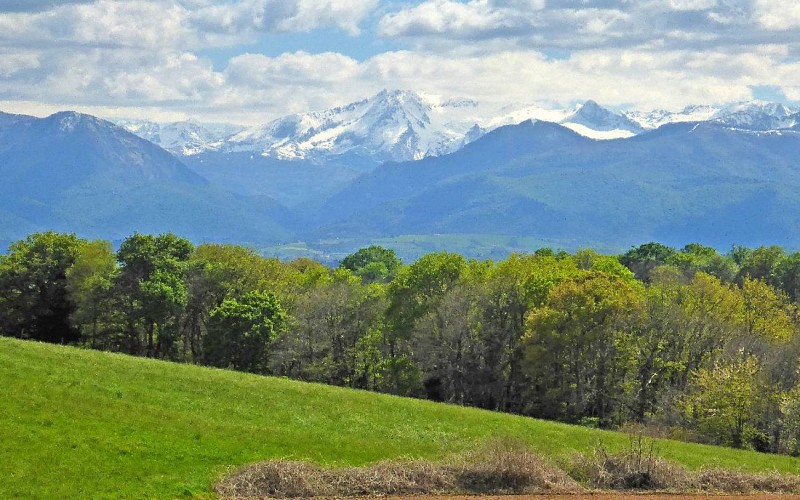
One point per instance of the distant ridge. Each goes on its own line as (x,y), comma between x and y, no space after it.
(75,172)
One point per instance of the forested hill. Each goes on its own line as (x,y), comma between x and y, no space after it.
(74,172)
(682,182)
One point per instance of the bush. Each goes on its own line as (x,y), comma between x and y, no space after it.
(636,468)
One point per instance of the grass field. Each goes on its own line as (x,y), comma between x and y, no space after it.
(78,423)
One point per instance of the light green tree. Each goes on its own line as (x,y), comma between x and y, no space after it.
(89,282)
(722,401)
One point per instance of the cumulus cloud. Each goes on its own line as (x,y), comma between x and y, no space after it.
(475,19)
(280,16)
(104,23)
(181,24)
(300,68)
(778,15)
(580,24)
(149,54)
(13,63)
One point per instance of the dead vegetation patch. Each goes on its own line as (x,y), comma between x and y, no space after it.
(638,468)
(725,481)
(500,468)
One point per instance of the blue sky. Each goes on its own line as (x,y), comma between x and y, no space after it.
(248,61)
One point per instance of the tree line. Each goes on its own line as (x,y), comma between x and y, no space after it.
(689,343)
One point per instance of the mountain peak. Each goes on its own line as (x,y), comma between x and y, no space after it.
(597,122)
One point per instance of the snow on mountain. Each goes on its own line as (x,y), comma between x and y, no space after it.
(515,114)
(393,125)
(750,115)
(594,121)
(181,138)
(757,115)
(403,125)
(397,125)
(654,119)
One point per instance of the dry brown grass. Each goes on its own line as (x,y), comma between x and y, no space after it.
(724,481)
(638,468)
(500,468)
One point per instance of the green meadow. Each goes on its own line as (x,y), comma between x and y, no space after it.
(79,423)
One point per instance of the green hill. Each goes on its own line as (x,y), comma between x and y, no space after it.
(77,423)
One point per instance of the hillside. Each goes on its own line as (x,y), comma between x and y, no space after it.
(682,182)
(83,423)
(75,172)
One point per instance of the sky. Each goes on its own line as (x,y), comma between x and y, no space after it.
(249,61)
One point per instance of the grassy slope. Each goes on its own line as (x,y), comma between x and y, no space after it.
(82,423)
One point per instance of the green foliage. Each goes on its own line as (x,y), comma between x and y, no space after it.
(578,346)
(766,313)
(643,259)
(89,282)
(694,258)
(722,400)
(152,291)
(790,410)
(762,263)
(787,276)
(240,331)
(34,301)
(373,264)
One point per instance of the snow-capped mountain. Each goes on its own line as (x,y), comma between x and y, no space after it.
(758,115)
(403,125)
(592,120)
(182,138)
(393,125)
(397,125)
(653,119)
(750,115)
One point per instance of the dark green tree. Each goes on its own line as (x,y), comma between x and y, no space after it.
(241,330)
(644,258)
(373,264)
(152,293)
(34,303)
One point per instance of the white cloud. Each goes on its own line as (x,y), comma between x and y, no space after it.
(580,24)
(474,19)
(146,54)
(690,5)
(778,15)
(105,23)
(246,17)
(300,68)
(13,63)
(185,24)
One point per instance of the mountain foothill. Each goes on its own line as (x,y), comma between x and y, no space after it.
(403,164)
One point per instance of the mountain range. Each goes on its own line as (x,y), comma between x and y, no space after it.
(404,125)
(715,175)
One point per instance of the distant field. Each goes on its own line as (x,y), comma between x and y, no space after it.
(77,423)
(413,246)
